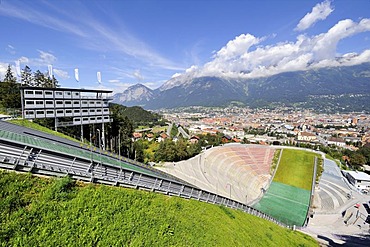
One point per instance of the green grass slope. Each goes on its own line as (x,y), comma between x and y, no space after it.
(35,126)
(296,168)
(286,203)
(288,196)
(57,212)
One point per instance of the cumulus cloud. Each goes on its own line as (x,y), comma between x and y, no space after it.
(237,59)
(319,12)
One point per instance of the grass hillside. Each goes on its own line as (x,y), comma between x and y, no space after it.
(35,126)
(296,168)
(38,211)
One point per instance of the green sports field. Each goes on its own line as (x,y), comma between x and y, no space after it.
(288,196)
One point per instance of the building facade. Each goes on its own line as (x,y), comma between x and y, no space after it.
(81,106)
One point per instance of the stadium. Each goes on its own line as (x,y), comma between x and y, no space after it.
(279,184)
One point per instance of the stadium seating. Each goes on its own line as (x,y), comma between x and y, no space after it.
(235,170)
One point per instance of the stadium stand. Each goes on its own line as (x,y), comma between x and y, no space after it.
(233,170)
(46,156)
(332,192)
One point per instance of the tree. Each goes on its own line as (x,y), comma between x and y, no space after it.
(50,83)
(26,76)
(39,79)
(357,160)
(9,77)
(10,94)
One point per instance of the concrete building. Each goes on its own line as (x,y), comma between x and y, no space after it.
(306,136)
(360,180)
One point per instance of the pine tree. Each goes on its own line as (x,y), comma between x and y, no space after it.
(9,90)
(50,83)
(39,79)
(9,77)
(26,76)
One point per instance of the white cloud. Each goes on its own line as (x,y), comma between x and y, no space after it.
(325,44)
(61,73)
(137,74)
(92,33)
(176,75)
(24,60)
(3,68)
(319,12)
(46,58)
(10,49)
(237,59)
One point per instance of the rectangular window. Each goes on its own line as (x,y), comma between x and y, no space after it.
(76,111)
(84,102)
(68,111)
(76,102)
(29,92)
(39,112)
(59,102)
(58,93)
(50,112)
(29,102)
(48,93)
(68,102)
(49,102)
(59,111)
(38,92)
(39,102)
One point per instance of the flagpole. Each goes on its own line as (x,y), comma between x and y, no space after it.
(98,75)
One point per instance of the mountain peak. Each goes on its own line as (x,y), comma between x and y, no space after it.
(338,88)
(134,95)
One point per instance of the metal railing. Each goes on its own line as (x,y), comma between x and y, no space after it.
(98,172)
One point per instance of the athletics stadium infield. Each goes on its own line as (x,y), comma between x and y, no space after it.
(288,197)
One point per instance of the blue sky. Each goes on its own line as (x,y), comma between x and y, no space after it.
(150,42)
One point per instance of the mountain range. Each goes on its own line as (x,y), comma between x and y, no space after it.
(345,88)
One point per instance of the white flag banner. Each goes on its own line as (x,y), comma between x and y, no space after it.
(98,75)
(77,76)
(50,69)
(18,68)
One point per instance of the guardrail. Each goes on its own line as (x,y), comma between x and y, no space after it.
(21,157)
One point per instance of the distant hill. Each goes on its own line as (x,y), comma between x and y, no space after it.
(345,88)
(136,114)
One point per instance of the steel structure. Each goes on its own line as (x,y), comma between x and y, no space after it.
(21,153)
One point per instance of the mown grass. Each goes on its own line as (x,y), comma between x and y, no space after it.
(58,212)
(296,168)
(35,126)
